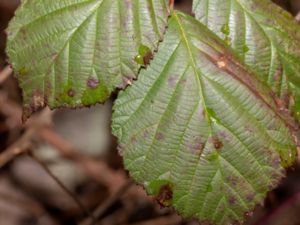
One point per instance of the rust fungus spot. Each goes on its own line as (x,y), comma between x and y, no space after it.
(160,136)
(276,162)
(71,93)
(93,83)
(199,148)
(165,195)
(217,143)
(250,196)
(232,180)
(232,200)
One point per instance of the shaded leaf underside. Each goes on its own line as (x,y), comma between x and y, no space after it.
(266,38)
(198,130)
(76,52)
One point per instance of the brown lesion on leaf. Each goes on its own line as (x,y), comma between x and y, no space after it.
(199,149)
(197,146)
(218,144)
(165,195)
(93,83)
(232,200)
(37,102)
(172,80)
(232,180)
(71,93)
(159,137)
(250,196)
(276,162)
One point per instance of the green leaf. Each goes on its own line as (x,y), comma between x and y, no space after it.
(76,52)
(265,37)
(200,131)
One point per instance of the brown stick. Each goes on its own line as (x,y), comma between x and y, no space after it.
(96,169)
(18,148)
(24,143)
(10,109)
(104,206)
(63,187)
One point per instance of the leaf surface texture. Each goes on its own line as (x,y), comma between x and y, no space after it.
(199,131)
(76,52)
(265,37)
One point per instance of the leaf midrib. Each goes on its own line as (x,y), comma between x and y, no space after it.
(193,64)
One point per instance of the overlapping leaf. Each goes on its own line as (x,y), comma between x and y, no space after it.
(199,131)
(76,52)
(265,37)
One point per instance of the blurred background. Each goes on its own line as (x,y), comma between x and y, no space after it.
(63,168)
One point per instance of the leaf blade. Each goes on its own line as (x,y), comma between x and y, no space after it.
(193,129)
(75,53)
(265,37)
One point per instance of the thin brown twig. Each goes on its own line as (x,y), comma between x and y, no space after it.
(20,147)
(107,176)
(104,206)
(29,206)
(10,109)
(25,142)
(63,187)
(5,73)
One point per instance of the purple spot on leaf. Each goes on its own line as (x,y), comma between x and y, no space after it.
(93,83)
